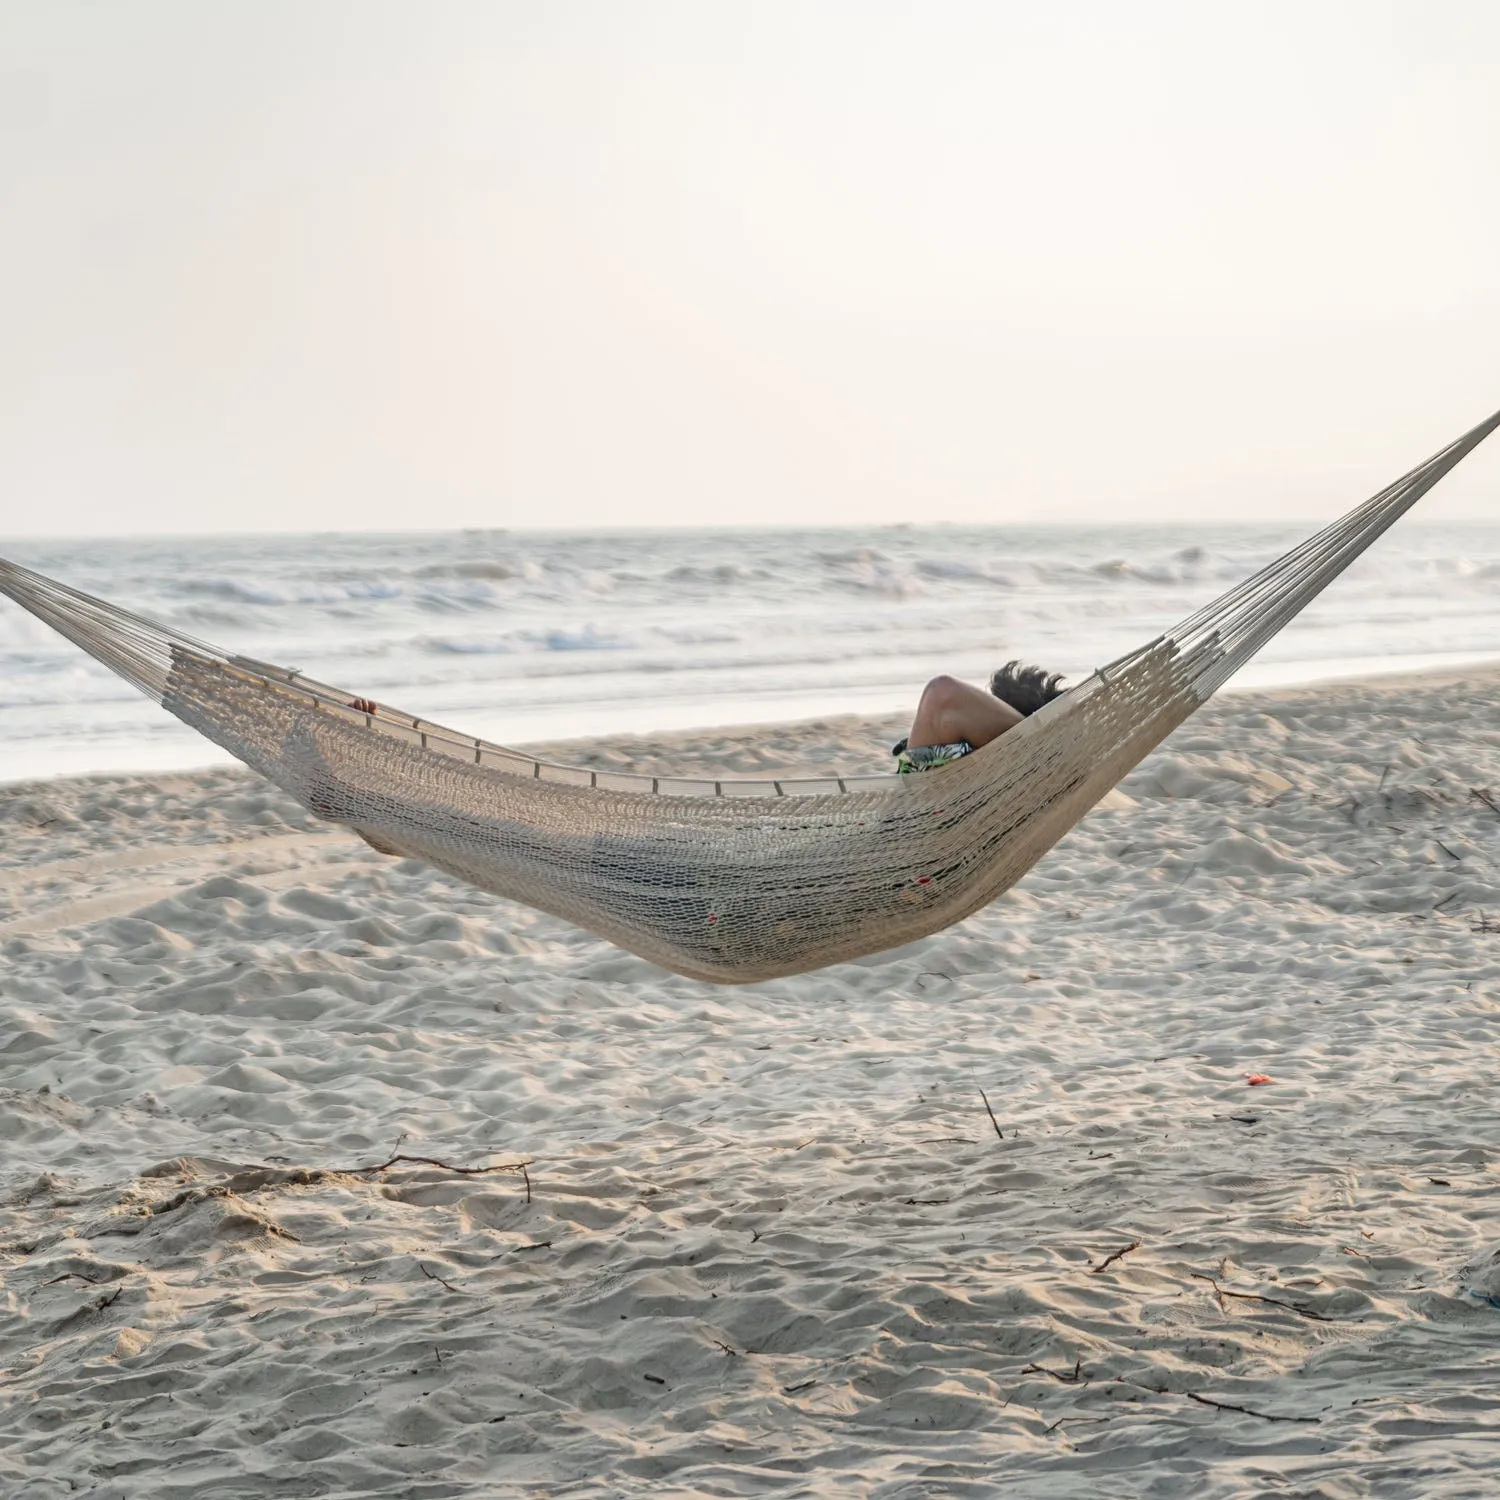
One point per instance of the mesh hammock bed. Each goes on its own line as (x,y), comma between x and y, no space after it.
(727,881)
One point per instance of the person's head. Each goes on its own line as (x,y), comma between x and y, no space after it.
(1026,689)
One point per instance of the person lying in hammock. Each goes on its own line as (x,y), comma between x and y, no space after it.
(954,718)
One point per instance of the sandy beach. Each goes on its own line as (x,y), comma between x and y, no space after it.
(325,1175)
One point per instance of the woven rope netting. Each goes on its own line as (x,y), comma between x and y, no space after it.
(729,881)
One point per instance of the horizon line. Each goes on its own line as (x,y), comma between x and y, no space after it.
(768,528)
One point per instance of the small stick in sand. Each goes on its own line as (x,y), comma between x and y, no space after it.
(991,1113)
(1076,1421)
(1074,1376)
(432,1161)
(1222,1292)
(1485,798)
(1265,1416)
(433,1276)
(1109,1260)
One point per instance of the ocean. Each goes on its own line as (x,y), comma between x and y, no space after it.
(523,636)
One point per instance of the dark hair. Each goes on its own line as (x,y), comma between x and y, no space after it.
(1025,688)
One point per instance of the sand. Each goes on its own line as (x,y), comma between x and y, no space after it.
(768,1241)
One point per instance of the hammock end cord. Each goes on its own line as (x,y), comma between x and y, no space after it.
(136,648)
(1224,634)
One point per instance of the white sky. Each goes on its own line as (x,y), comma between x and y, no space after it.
(352,264)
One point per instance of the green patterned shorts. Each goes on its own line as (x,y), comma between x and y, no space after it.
(928,757)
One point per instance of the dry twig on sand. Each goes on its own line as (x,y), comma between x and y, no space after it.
(991,1113)
(432,1161)
(1109,1260)
(1247,1411)
(1076,1421)
(433,1276)
(1221,1292)
(1265,1416)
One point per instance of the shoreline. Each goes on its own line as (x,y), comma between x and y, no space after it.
(773,747)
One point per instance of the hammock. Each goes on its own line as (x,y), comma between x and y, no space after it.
(728,881)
